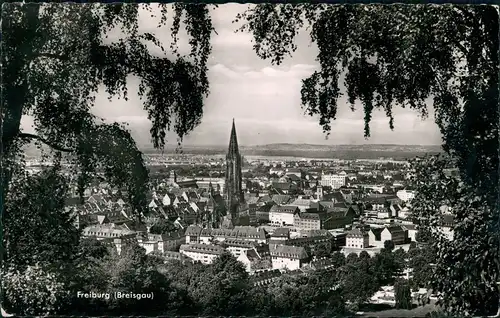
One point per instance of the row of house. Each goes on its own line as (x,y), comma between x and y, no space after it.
(376,236)
(323,215)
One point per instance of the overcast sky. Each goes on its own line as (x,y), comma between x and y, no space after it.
(263,99)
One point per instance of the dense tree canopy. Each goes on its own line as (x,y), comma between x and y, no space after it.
(406,56)
(162,226)
(37,227)
(54,59)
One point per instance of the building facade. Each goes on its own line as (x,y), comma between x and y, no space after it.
(287,257)
(283,215)
(334,181)
(203,253)
(307,221)
(357,239)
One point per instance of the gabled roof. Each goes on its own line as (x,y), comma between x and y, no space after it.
(356,209)
(202,248)
(281,199)
(201,205)
(135,226)
(170,195)
(264,275)
(281,232)
(238,232)
(193,230)
(175,235)
(337,196)
(356,233)
(251,255)
(284,209)
(187,184)
(322,263)
(282,185)
(239,243)
(301,202)
(288,251)
(192,195)
(409,227)
(308,216)
(395,228)
(299,241)
(314,233)
(264,208)
(376,232)
(326,204)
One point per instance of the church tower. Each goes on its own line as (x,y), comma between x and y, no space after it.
(233,189)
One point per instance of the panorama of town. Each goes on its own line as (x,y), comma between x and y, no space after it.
(275,215)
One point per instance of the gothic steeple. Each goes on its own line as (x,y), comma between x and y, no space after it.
(233,150)
(233,190)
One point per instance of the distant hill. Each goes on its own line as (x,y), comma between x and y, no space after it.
(300,150)
(314,151)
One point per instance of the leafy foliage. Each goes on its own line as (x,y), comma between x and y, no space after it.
(402,294)
(225,290)
(338,259)
(322,250)
(37,228)
(404,56)
(358,282)
(389,245)
(55,58)
(419,261)
(35,290)
(468,285)
(162,226)
(312,295)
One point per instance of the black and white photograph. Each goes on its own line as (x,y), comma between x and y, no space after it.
(252,160)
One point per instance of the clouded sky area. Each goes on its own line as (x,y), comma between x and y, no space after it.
(263,99)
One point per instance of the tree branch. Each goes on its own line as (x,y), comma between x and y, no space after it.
(45,141)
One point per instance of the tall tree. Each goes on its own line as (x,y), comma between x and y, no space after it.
(37,227)
(402,55)
(358,283)
(35,290)
(55,59)
(402,294)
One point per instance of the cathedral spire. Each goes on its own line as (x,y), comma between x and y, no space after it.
(233,142)
(233,189)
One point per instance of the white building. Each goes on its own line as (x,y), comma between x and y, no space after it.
(287,257)
(405,195)
(161,242)
(237,247)
(195,234)
(395,233)
(412,231)
(357,239)
(282,215)
(106,231)
(334,181)
(204,253)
